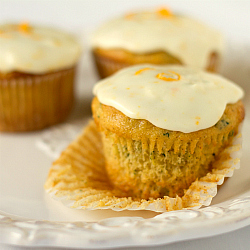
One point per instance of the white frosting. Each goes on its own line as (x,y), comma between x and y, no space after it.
(185,38)
(196,101)
(33,49)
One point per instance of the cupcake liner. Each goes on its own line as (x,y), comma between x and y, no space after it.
(35,101)
(78,179)
(107,66)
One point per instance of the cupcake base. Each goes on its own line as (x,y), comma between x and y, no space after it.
(146,173)
(34,102)
(110,61)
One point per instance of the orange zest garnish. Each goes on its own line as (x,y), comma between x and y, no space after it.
(141,70)
(24,27)
(129,15)
(197,118)
(172,76)
(166,13)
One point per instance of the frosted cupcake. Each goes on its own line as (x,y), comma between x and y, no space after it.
(158,37)
(163,127)
(37,71)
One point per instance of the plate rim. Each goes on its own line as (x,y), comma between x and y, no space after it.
(173,226)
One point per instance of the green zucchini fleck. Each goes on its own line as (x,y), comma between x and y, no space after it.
(221,124)
(166,134)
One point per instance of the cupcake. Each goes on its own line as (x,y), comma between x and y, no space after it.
(163,127)
(158,37)
(37,71)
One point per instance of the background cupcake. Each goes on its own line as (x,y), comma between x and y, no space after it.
(164,127)
(37,70)
(158,37)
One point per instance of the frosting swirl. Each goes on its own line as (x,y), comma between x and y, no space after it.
(34,49)
(188,40)
(176,98)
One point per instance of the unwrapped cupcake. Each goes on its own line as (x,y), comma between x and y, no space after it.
(164,127)
(37,71)
(156,37)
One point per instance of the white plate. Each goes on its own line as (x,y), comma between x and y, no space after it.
(28,216)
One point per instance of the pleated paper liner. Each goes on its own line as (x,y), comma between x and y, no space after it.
(108,66)
(79,180)
(36,101)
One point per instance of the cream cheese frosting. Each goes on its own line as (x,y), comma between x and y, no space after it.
(188,40)
(35,49)
(176,98)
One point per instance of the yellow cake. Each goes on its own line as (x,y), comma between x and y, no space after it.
(156,37)
(163,127)
(37,71)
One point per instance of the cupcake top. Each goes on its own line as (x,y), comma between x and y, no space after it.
(176,98)
(36,50)
(188,40)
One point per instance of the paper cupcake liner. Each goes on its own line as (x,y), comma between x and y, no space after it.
(79,180)
(34,102)
(108,66)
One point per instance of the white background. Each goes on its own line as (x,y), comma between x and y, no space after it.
(82,17)
(231,17)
